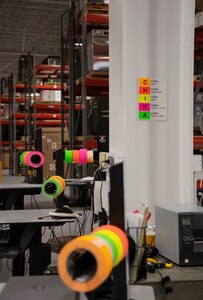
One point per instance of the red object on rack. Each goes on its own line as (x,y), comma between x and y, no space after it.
(39,123)
(41,116)
(21,86)
(55,106)
(50,70)
(97,18)
(198,142)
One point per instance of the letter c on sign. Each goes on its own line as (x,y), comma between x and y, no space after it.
(145,82)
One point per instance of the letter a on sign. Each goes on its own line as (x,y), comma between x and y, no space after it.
(144,115)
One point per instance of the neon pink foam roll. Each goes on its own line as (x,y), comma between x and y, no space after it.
(40,159)
(83,156)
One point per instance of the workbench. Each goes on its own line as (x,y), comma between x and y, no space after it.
(12,194)
(52,288)
(26,233)
(187,283)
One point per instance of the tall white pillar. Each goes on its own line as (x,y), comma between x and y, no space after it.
(153,39)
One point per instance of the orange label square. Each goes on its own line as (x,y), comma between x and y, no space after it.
(144,82)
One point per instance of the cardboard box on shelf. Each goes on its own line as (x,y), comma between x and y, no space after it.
(199,20)
(51,142)
(50,95)
(5,160)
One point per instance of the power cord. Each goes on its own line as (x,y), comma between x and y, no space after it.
(95,176)
(164,280)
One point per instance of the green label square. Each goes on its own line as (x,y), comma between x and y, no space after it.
(144,115)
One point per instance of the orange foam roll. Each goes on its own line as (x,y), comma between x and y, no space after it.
(85,263)
(60,179)
(76,156)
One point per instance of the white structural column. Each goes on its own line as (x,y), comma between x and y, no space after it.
(153,39)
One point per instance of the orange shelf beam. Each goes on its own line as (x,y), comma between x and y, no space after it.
(198,142)
(39,123)
(55,106)
(50,70)
(18,143)
(18,100)
(21,86)
(196,84)
(97,18)
(42,116)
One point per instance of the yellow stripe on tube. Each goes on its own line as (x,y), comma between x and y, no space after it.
(117,242)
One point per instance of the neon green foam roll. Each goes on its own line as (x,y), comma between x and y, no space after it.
(69,156)
(111,244)
(21,157)
(51,188)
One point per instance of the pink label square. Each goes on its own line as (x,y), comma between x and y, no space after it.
(144,106)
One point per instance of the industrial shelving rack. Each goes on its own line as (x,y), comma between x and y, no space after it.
(80,85)
(90,16)
(198,86)
(63,114)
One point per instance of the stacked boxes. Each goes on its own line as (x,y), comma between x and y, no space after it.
(51,142)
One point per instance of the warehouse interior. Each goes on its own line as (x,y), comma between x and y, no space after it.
(101,169)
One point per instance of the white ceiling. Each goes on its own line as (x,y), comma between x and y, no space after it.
(28,26)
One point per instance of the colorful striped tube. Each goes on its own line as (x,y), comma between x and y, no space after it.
(22,157)
(60,179)
(90,156)
(68,156)
(53,186)
(76,156)
(82,156)
(87,261)
(34,159)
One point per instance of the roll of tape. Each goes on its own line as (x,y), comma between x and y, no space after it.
(118,242)
(60,179)
(118,232)
(112,244)
(51,188)
(25,158)
(97,256)
(83,156)
(76,156)
(38,156)
(22,157)
(69,156)
(90,156)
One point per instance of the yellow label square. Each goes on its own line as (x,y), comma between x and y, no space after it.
(143,98)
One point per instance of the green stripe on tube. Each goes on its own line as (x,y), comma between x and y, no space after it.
(69,156)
